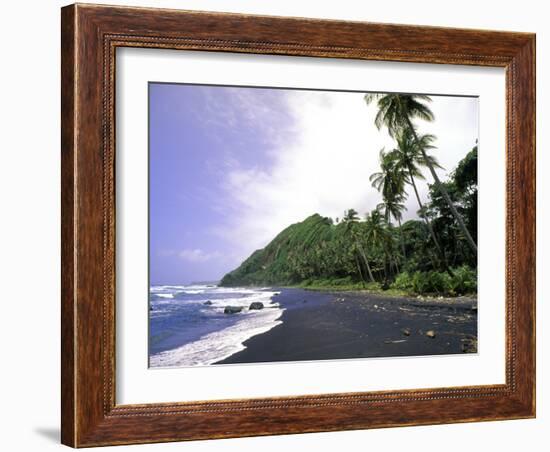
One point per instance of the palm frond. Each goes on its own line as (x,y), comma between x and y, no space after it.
(421,111)
(433,161)
(372,97)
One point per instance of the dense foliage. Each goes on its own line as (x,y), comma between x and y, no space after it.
(435,254)
(357,253)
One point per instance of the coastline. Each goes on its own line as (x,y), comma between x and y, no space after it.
(324,324)
(375,289)
(188,325)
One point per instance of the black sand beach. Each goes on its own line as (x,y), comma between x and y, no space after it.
(336,325)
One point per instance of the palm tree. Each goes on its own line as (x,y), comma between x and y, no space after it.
(351,218)
(408,157)
(396,112)
(377,234)
(393,207)
(390,182)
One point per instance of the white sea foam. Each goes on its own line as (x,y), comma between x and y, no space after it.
(221,344)
(177,288)
(244,302)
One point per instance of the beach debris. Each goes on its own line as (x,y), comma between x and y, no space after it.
(256,305)
(459,319)
(395,342)
(375,306)
(208,303)
(406,331)
(469,345)
(430,334)
(232,309)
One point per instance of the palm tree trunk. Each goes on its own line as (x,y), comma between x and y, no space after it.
(359,268)
(366,263)
(388,272)
(422,213)
(396,266)
(440,250)
(402,238)
(433,259)
(444,193)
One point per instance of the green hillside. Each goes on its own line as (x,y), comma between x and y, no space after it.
(318,253)
(374,252)
(280,262)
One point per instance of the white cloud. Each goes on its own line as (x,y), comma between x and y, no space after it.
(197,255)
(325,164)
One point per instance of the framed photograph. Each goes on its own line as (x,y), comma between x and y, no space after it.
(281,225)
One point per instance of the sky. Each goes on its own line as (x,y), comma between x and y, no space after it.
(230,167)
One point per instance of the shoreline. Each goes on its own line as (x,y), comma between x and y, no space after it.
(196,331)
(389,293)
(395,294)
(339,324)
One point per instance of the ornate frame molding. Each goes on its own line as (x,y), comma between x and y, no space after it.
(90,37)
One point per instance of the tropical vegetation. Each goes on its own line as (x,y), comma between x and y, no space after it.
(434,254)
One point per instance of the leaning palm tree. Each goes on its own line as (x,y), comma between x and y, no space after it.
(396,112)
(408,158)
(351,218)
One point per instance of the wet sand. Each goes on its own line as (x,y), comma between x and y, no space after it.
(336,325)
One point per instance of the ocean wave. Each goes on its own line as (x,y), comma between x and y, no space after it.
(164,295)
(242,302)
(219,345)
(178,288)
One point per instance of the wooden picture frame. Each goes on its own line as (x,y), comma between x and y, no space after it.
(90,36)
